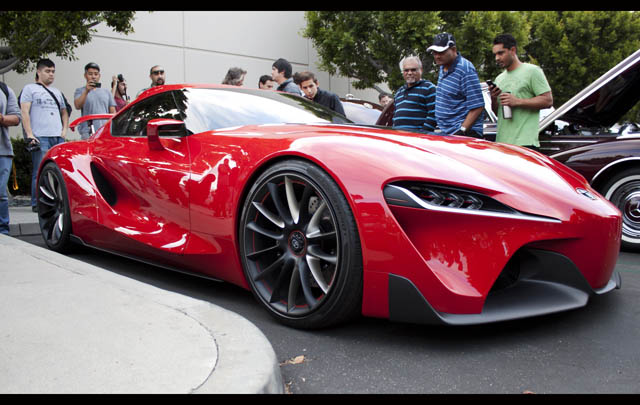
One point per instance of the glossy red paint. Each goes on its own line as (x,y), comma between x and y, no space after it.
(179,201)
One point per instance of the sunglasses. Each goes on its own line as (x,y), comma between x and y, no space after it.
(157,72)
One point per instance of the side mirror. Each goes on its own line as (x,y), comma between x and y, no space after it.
(163,127)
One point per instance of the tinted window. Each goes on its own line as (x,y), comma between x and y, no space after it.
(210,109)
(134,120)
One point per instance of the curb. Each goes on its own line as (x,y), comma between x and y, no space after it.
(238,357)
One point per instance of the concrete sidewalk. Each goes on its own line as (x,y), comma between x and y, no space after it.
(70,327)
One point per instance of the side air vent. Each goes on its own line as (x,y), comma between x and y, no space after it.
(105,189)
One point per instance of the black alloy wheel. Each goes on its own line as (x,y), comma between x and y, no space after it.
(300,247)
(53,209)
(623,190)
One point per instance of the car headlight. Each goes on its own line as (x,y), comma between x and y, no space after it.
(438,197)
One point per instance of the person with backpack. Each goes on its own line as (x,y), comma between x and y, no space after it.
(9,116)
(45,118)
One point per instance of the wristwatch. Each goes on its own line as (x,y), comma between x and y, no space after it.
(462,128)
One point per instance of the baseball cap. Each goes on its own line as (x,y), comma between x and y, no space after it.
(91,65)
(442,42)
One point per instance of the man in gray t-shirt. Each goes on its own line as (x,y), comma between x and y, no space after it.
(44,116)
(91,99)
(9,116)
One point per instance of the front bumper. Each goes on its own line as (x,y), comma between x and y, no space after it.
(534,282)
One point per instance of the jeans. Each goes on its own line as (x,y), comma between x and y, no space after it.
(5,171)
(46,143)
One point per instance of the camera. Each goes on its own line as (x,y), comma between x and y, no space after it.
(33,145)
(97,85)
(120,77)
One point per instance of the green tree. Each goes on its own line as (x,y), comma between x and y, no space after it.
(475,31)
(368,45)
(26,36)
(576,47)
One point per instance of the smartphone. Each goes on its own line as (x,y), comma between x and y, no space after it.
(490,83)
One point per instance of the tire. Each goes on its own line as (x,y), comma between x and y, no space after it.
(623,190)
(53,209)
(300,248)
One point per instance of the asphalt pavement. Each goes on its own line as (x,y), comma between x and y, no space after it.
(70,327)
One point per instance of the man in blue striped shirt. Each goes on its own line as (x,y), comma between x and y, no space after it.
(459,102)
(415,102)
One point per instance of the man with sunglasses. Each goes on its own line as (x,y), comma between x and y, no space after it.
(156,74)
(415,101)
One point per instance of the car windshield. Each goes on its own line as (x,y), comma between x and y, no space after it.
(211,109)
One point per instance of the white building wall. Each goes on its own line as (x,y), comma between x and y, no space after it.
(193,47)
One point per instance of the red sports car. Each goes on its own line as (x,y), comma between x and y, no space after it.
(324,220)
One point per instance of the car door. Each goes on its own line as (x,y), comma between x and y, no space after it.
(147,184)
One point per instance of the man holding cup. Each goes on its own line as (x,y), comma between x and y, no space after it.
(523,88)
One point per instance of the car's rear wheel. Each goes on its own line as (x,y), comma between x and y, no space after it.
(53,209)
(623,190)
(300,247)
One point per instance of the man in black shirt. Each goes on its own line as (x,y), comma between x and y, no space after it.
(309,86)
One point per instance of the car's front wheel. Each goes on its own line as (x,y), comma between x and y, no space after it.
(623,190)
(300,247)
(53,209)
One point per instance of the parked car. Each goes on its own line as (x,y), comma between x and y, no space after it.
(605,153)
(591,115)
(323,220)
(361,111)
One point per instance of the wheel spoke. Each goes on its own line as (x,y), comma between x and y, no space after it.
(314,222)
(307,193)
(269,215)
(316,252)
(275,197)
(261,253)
(262,231)
(316,271)
(47,202)
(318,236)
(49,224)
(52,184)
(305,271)
(60,222)
(294,207)
(44,191)
(277,264)
(294,287)
(284,275)
(56,232)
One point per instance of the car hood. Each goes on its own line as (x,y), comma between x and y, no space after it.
(508,173)
(606,100)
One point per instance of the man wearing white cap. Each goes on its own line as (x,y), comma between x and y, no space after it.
(459,102)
